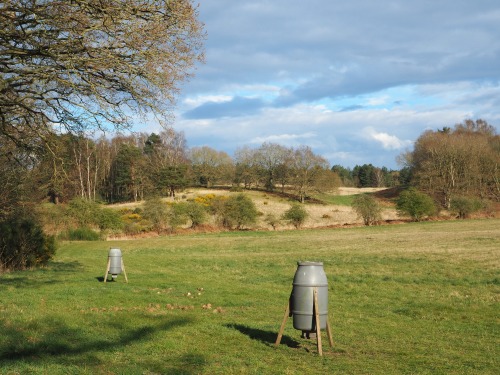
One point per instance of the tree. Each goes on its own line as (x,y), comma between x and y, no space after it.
(462,162)
(272,160)
(89,64)
(367,207)
(296,215)
(126,174)
(172,178)
(15,176)
(345,175)
(307,168)
(415,204)
(246,169)
(211,166)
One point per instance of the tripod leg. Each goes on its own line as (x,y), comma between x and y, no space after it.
(107,270)
(318,323)
(124,273)
(329,332)
(282,328)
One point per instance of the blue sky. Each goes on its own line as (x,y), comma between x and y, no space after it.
(358,81)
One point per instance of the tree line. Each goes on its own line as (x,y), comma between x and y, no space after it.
(134,167)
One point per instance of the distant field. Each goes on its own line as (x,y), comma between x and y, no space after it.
(403,299)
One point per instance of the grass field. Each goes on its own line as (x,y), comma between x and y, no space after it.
(417,298)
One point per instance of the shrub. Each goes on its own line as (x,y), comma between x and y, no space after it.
(83,211)
(157,213)
(195,212)
(296,214)
(177,215)
(23,244)
(109,219)
(415,204)
(205,200)
(464,206)
(367,207)
(80,234)
(272,220)
(238,211)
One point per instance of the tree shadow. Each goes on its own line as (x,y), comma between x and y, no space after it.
(266,337)
(65,267)
(63,344)
(35,279)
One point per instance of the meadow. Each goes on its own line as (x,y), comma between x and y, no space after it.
(417,298)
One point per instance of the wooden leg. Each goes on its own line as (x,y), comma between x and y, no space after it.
(107,270)
(124,273)
(282,328)
(318,323)
(329,332)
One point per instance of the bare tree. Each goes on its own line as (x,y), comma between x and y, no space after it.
(307,170)
(462,162)
(211,166)
(91,64)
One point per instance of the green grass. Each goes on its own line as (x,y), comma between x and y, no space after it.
(338,200)
(403,299)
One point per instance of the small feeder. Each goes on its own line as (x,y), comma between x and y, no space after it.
(308,303)
(115,265)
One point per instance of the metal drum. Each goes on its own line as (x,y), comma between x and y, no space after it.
(308,276)
(115,262)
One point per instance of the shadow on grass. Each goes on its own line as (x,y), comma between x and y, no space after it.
(267,337)
(35,279)
(52,340)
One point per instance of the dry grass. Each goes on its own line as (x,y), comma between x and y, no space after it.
(319,215)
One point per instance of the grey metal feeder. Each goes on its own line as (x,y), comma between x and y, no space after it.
(115,265)
(308,303)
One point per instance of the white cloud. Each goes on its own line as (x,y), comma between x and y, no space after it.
(196,101)
(388,142)
(286,139)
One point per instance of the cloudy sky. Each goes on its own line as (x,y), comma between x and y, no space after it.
(358,81)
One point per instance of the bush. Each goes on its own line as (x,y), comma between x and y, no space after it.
(80,234)
(157,213)
(296,214)
(83,211)
(272,220)
(415,204)
(367,207)
(238,211)
(109,219)
(177,215)
(23,244)
(464,206)
(195,212)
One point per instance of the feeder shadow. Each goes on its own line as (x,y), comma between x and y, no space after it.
(101,279)
(267,337)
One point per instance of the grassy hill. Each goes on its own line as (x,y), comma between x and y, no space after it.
(326,210)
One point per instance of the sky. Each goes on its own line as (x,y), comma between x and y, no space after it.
(358,81)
